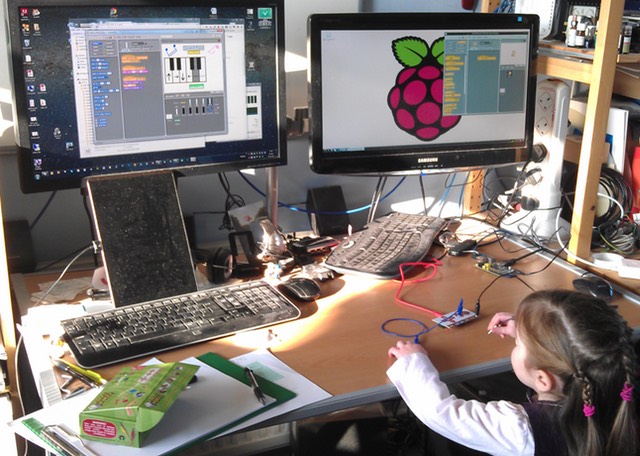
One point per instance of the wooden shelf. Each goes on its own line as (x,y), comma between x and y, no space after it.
(624,84)
(579,54)
(563,68)
(627,84)
(572,148)
(558,60)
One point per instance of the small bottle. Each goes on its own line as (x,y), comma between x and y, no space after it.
(567,28)
(624,43)
(581,35)
(572,31)
(590,37)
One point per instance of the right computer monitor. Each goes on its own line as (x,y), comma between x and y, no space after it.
(408,93)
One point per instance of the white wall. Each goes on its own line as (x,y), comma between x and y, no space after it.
(6,130)
(445,6)
(65,228)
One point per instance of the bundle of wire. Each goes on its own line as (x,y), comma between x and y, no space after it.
(614,227)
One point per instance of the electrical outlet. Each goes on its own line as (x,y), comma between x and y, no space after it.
(546,101)
(543,126)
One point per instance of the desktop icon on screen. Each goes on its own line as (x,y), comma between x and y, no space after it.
(265,13)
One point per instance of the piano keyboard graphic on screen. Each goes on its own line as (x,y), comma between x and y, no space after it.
(185,69)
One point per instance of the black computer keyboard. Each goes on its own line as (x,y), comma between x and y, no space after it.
(142,329)
(384,244)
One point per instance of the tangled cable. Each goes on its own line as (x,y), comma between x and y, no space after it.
(615,229)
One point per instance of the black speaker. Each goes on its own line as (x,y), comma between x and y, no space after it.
(21,256)
(327,210)
(219,265)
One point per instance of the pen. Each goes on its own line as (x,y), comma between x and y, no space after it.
(500,325)
(254,385)
(96,377)
(90,378)
(75,392)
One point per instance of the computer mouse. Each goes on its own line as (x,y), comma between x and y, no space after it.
(594,286)
(301,288)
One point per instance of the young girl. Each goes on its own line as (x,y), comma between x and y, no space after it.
(575,353)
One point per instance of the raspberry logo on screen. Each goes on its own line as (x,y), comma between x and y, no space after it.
(416,99)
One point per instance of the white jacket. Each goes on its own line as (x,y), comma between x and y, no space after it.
(496,427)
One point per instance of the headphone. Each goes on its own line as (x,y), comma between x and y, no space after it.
(218,262)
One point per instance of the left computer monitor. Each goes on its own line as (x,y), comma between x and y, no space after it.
(141,85)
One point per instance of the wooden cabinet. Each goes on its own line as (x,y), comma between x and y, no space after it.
(600,74)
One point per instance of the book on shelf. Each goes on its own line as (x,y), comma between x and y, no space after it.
(616,133)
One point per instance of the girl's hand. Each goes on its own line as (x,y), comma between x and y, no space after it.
(502,324)
(404,348)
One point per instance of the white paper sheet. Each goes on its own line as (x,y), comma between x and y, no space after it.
(266,365)
(211,403)
(214,401)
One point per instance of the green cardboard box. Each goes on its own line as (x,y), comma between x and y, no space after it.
(133,402)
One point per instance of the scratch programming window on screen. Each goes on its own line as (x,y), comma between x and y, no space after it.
(485,73)
(145,85)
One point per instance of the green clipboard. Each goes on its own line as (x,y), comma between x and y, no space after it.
(280,394)
(36,427)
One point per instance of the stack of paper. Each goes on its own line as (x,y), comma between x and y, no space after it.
(221,401)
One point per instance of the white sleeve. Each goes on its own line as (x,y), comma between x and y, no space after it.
(497,427)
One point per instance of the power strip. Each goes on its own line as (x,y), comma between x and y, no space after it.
(544,194)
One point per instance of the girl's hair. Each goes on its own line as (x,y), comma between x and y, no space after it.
(585,343)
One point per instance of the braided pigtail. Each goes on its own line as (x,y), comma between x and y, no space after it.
(592,441)
(623,436)
(573,423)
(588,408)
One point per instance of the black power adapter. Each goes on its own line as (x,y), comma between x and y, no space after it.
(460,248)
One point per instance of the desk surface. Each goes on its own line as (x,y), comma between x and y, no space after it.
(338,342)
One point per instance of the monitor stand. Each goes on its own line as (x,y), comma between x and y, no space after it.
(138,222)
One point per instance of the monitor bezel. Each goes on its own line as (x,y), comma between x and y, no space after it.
(19,98)
(414,159)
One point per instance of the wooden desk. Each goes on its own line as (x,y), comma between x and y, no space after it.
(338,342)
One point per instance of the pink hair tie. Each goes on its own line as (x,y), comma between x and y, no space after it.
(627,392)
(588,410)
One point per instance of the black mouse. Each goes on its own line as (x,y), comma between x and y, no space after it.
(595,286)
(301,288)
